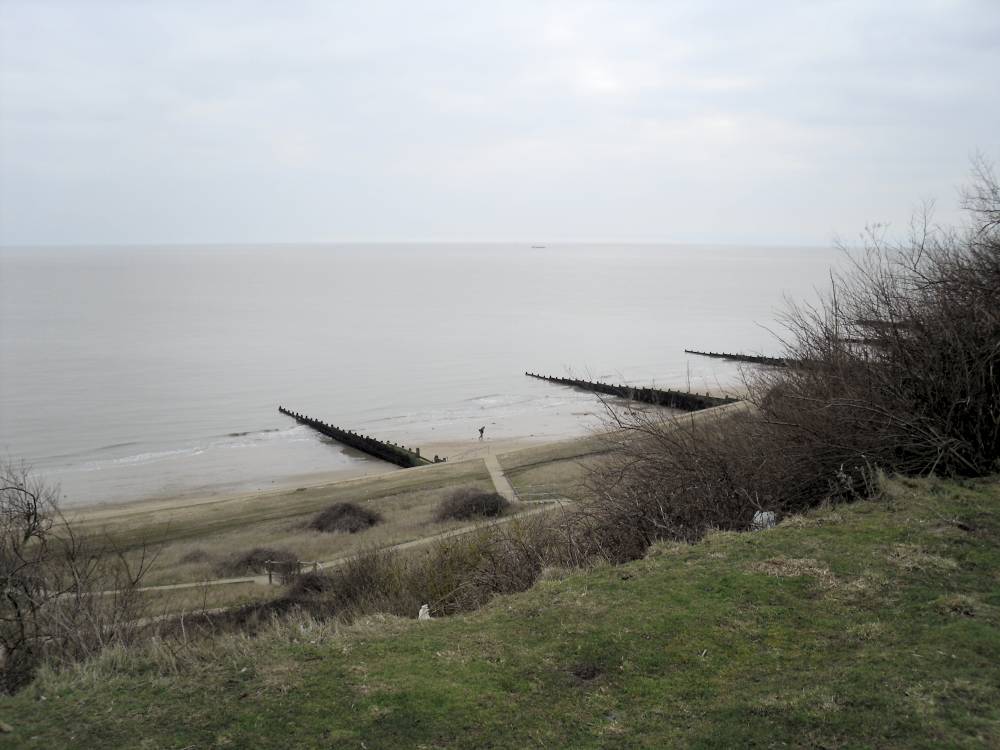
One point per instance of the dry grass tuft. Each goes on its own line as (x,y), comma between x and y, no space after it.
(913,557)
(867,631)
(555,573)
(789,567)
(667,549)
(811,520)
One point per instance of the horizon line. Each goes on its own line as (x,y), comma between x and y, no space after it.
(528,243)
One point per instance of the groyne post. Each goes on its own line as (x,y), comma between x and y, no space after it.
(387,451)
(754,358)
(684,400)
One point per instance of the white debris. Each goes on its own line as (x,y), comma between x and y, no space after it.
(764,519)
(425,613)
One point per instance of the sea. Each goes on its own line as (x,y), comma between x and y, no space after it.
(129,373)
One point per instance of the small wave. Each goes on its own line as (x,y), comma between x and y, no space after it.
(251,432)
(407,417)
(112,446)
(142,458)
(500,400)
(254,438)
(248,439)
(90,451)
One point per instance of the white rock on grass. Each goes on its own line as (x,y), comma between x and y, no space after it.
(764,519)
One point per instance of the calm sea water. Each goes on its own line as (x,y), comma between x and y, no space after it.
(135,372)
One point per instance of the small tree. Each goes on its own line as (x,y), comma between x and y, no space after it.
(63,597)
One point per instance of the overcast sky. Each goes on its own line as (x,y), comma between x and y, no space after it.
(147,121)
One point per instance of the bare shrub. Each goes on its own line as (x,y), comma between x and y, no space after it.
(64,598)
(510,558)
(901,360)
(253,561)
(346,518)
(895,370)
(371,581)
(679,478)
(470,502)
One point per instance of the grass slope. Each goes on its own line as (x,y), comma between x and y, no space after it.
(874,625)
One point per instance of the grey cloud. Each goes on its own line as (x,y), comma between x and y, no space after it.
(254,122)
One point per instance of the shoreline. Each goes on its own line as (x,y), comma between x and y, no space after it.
(457,451)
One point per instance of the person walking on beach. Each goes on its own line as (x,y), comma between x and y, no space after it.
(481,431)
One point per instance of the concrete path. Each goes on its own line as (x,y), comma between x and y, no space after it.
(500,481)
(193,584)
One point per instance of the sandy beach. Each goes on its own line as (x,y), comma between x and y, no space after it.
(455,451)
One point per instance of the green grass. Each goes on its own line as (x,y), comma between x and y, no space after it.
(874,625)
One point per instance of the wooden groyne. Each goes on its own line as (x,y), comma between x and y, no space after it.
(671,399)
(391,452)
(756,359)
